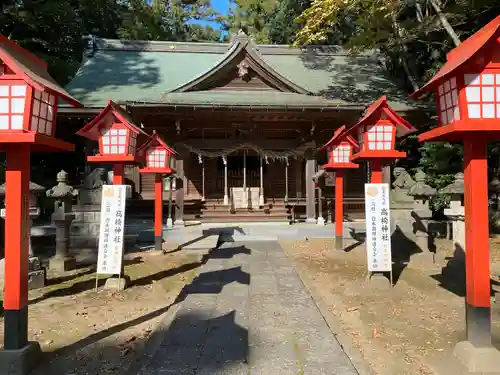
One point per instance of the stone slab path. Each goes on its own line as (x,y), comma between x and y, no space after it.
(247,312)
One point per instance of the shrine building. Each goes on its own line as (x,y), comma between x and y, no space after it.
(245,119)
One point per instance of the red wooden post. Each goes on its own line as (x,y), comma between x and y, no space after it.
(477,259)
(469,111)
(29,98)
(158,211)
(376,171)
(118,174)
(339,150)
(339,208)
(160,161)
(17,178)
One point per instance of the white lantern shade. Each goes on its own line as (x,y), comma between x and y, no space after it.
(156,157)
(482,94)
(43,110)
(340,153)
(115,140)
(379,136)
(18,100)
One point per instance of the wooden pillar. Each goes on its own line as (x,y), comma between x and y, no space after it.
(298,177)
(286,180)
(158,225)
(339,209)
(118,174)
(261,194)
(244,169)
(477,257)
(17,178)
(179,192)
(310,193)
(226,196)
(169,218)
(201,161)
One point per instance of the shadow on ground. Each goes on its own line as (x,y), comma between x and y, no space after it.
(452,276)
(78,287)
(192,343)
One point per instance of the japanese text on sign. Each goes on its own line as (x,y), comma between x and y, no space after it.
(378,232)
(109,258)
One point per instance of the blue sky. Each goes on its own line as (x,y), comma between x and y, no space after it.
(222,6)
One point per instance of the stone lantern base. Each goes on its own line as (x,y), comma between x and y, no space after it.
(62,264)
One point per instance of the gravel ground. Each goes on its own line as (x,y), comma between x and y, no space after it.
(395,330)
(83,331)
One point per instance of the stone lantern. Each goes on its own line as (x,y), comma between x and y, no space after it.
(421,213)
(456,211)
(62,217)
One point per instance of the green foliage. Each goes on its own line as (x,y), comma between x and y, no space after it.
(53,30)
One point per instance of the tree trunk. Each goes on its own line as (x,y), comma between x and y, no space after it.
(403,47)
(444,21)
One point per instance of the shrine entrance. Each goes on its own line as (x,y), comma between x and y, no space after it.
(245,170)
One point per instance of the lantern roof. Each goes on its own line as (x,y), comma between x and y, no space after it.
(338,137)
(31,69)
(91,130)
(155,140)
(374,113)
(461,54)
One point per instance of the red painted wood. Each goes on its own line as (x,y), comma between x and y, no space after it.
(17,178)
(339,202)
(376,171)
(158,205)
(118,174)
(477,258)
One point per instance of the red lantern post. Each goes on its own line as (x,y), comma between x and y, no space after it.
(376,133)
(339,151)
(28,107)
(117,136)
(467,91)
(160,161)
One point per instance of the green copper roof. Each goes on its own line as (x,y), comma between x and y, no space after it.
(137,71)
(250,98)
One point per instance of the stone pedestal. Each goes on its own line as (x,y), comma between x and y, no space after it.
(378,281)
(117,283)
(477,359)
(21,361)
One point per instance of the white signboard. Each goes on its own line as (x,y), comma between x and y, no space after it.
(378,224)
(109,258)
